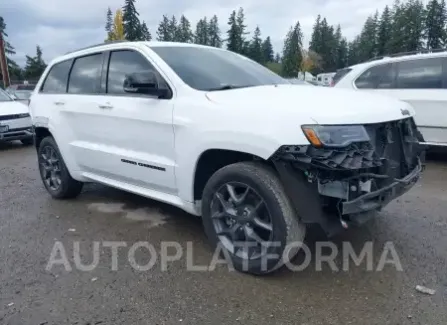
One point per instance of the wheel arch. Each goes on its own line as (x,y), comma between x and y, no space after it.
(211,160)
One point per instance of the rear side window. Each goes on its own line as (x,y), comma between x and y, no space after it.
(56,81)
(340,74)
(85,75)
(380,76)
(420,74)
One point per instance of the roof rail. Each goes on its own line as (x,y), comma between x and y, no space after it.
(96,45)
(395,55)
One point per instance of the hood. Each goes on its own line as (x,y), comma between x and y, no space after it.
(13,107)
(321,104)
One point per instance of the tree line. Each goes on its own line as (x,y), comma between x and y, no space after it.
(403,27)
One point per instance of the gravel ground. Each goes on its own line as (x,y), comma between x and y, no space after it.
(31,223)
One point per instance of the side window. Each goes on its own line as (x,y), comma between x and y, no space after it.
(85,75)
(56,81)
(124,63)
(380,76)
(422,74)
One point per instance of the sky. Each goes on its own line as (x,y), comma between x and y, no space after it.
(59,26)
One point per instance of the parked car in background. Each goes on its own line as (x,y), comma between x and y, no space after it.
(299,82)
(418,78)
(222,137)
(15,120)
(325,79)
(21,95)
(24,86)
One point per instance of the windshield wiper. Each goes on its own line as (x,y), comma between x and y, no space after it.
(228,87)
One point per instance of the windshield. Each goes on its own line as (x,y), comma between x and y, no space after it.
(4,97)
(214,69)
(22,94)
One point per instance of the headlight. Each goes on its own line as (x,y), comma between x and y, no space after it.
(334,135)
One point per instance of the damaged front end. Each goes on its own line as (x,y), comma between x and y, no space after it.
(338,186)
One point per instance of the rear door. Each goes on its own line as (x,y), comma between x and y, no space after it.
(420,82)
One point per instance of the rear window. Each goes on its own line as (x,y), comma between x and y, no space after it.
(380,76)
(340,74)
(420,74)
(85,75)
(56,81)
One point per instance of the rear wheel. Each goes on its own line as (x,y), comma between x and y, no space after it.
(54,172)
(247,212)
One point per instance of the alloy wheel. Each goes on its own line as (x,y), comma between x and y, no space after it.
(241,220)
(50,168)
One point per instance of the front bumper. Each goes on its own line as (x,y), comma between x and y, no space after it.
(17,134)
(339,187)
(379,198)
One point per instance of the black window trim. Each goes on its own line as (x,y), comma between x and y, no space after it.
(105,75)
(98,85)
(41,92)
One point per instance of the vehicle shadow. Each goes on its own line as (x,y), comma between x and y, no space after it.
(11,145)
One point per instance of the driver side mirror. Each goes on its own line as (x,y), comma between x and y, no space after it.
(145,82)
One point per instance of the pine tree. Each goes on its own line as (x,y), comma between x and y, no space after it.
(414,13)
(131,22)
(255,47)
(202,28)
(341,50)
(277,58)
(234,41)
(145,32)
(174,29)
(163,32)
(397,40)
(315,42)
(434,23)
(384,32)
(292,52)
(109,24)
(214,32)
(367,47)
(244,44)
(267,51)
(185,34)
(35,66)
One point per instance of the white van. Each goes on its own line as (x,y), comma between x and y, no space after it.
(417,78)
(325,79)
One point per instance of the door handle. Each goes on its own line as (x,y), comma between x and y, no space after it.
(59,103)
(106,106)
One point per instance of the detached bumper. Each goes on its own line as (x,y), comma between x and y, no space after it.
(380,198)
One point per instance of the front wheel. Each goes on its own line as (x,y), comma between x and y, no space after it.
(54,172)
(246,211)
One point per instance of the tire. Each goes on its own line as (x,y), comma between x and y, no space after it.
(27,142)
(68,187)
(286,228)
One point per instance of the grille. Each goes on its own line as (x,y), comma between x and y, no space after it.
(13,116)
(392,147)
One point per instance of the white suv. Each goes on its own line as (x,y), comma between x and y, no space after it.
(220,136)
(419,79)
